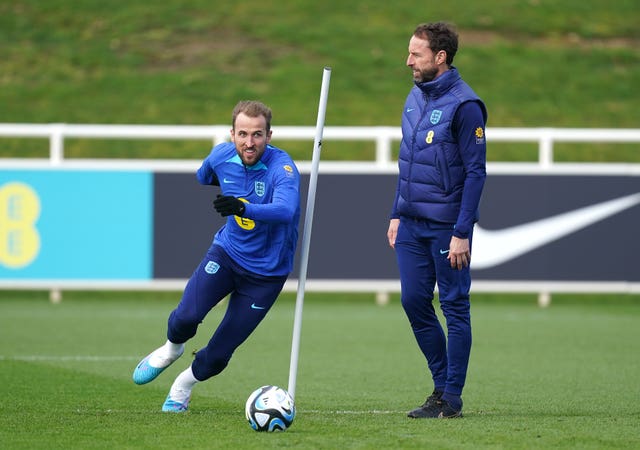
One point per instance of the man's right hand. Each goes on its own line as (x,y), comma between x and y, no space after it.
(392,232)
(227,205)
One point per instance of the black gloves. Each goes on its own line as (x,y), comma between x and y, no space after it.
(228,205)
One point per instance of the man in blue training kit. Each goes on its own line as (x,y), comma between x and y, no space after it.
(250,258)
(441,164)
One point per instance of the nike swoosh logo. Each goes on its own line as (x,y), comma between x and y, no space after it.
(494,247)
(227,181)
(254,306)
(444,252)
(410,109)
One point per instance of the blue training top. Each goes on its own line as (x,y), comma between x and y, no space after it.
(264,239)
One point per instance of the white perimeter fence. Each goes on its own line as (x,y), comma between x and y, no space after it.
(384,138)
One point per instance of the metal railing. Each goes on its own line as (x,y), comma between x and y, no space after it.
(383,136)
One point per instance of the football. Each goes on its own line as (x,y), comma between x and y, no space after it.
(270,408)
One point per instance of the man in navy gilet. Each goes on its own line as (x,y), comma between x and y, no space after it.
(442,163)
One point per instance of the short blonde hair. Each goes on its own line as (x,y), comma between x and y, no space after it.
(251,108)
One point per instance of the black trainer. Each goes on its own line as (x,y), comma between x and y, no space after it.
(447,412)
(431,408)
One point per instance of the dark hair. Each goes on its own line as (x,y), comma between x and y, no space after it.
(441,36)
(251,108)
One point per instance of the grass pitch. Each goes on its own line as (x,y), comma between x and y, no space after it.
(560,377)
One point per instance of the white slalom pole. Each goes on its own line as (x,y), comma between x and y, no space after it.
(306,236)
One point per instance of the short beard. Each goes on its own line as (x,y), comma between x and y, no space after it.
(427,75)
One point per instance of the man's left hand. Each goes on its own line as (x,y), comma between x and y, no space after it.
(459,253)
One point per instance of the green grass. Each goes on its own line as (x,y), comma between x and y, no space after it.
(559,377)
(538,63)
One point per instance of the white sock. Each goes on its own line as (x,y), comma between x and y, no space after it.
(165,355)
(181,388)
(173,350)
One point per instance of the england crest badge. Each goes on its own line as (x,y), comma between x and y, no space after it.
(260,188)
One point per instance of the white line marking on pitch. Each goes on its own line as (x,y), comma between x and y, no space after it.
(374,411)
(67,358)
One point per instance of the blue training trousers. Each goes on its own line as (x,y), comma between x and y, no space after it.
(422,250)
(251,298)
